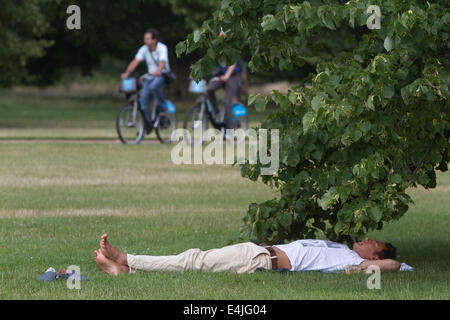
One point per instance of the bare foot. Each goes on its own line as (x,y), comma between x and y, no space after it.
(111,252)
(108,266)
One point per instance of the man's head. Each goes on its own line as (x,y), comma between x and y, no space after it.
(374,250)
(151,37)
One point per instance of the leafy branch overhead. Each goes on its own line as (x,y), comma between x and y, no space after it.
(375,122)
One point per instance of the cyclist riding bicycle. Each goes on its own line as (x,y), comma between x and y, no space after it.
(231,78)
(155,55)
(244,88)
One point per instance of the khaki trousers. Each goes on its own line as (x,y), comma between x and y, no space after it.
(239,258)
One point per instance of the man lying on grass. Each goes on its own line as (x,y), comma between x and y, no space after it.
(301,255)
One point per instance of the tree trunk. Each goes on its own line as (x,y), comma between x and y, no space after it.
(68,79)
(181,85)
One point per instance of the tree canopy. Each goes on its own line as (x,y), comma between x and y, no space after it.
(38,48)
(375,122)
(21,26)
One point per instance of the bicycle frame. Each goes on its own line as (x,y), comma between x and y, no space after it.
(204,102)
(205,105)
(134,98)
(161,118)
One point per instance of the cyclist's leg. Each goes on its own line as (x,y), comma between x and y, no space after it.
(237,98)
(146,96)
(155,88)
(232,89)
(214,84)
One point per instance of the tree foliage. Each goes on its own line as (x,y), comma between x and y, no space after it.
(375,122)
(21,25)
(108,28)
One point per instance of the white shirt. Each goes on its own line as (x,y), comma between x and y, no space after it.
(319,255)
(160,54)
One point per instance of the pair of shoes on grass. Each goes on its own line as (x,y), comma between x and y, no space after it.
(50,274)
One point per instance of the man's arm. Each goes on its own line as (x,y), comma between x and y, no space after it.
(385,265)
(133,64)
(161,65)
(228,74)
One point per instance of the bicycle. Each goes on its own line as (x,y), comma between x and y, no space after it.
(131,124)
(202,111)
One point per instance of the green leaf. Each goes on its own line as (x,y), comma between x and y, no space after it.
(328,198)
(269,22)
(225,5)
(180,48)
(374,173)
(317,102)
(307,121)
(355,134)
(365,127)
(299,204)
(388,92)
(197,35)
(369,103)
(388,44)
(375,214)
(293,158)
(396,178)
(317,154)
(358,58)
(264,212)
(258,101)
(357,226)
(345,215)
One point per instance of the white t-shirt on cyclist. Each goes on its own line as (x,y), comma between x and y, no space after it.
(160,54)
(319,255)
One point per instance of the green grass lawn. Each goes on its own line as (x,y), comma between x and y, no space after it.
(57,198)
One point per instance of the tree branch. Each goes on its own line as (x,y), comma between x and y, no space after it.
(422,160)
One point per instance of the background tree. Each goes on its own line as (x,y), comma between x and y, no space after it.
(110,34)
(21,25)
(375,122)
(113,30)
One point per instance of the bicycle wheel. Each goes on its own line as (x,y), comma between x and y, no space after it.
(130,124)
(195,120)
(167,124)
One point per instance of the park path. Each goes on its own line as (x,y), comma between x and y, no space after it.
(75,141)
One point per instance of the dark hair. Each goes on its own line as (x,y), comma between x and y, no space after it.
(389,253)
(153,32)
